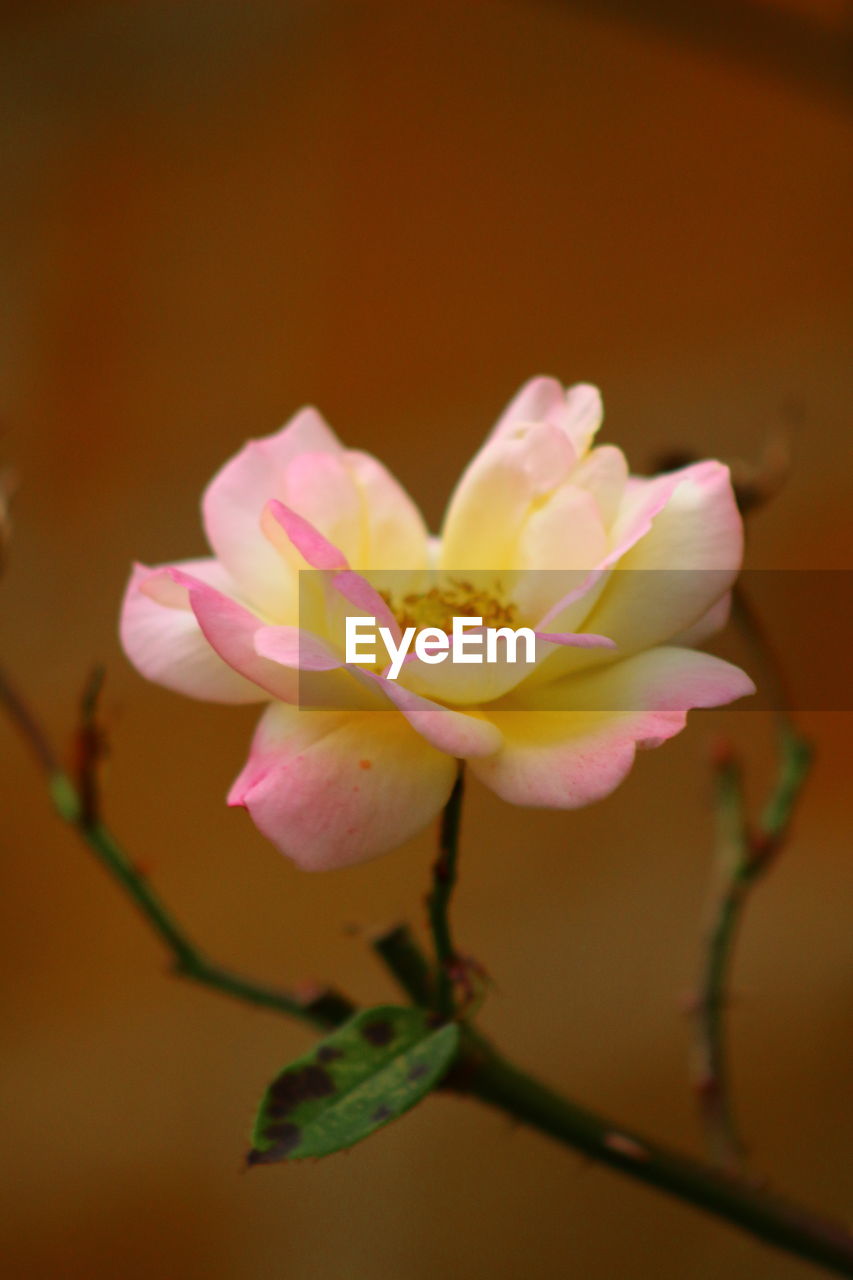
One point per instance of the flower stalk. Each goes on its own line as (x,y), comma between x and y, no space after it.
(444,874)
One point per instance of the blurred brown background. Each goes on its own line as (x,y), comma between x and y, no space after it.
(213,212)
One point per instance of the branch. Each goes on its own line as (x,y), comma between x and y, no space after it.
(483,1073)
(400,953)
(438,901)
(743,854)
(710,1065)
(77,803)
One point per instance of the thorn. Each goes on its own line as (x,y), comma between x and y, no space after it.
(761,846)
(690,1004)
(707,1087)
(722,753)
(307,990)
(625,1146)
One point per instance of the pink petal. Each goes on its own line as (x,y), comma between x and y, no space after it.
(358,591)
(230,629)
(457,733)
(577,411)
(330,789)
(316,550)
(680,548)
(322,555)
(461,734)
(576,639)
(674,573)
(570,744)
(234,499)
(584,414)
(297,648)
(163,640)
(326,681)
(539,400)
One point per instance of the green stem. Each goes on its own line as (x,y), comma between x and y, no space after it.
(795,760)
(324,1009)
(438,902)
(743,855)
(399,952)
(711,1068)
(483,1073)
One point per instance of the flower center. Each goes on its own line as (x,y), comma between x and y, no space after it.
(456,597)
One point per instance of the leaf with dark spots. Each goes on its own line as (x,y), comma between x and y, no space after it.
(295,1086)
(283,1139)
(378,1033)
(375,1067)
(328,1053)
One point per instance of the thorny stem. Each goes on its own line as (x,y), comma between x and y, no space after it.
(77,805)
(743,854)
(480,1071)
(438,902)
(776,1221)
(710,1071)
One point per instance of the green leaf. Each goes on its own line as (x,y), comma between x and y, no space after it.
(368,1072)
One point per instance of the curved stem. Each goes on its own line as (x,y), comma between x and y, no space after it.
(76,802)
(743,854)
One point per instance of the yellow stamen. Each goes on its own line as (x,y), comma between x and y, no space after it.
(455,598)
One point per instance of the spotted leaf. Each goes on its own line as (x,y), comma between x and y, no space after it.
(368,1072)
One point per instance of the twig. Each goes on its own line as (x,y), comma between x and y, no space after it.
(28,726)
(483,1073)
(438,901)
(795,759)
(711,1066)
(743,854)
(77,805)
(400,953)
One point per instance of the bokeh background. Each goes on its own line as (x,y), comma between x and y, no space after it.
(212,213)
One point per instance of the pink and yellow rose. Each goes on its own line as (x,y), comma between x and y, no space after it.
(619,576)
